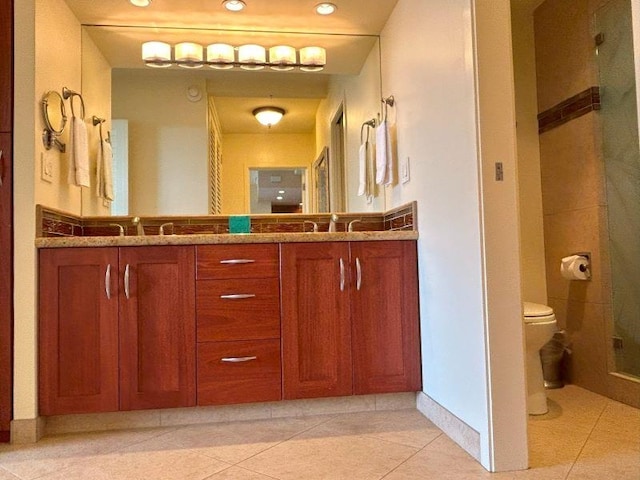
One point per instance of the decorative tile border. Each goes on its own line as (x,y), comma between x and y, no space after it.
(573,107)
(55,223)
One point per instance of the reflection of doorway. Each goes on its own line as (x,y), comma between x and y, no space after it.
(337,163)
(278,190)
(321,182)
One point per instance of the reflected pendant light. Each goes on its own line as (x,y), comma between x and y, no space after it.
(282,57)
(188,55)
(252,57)
(156,54)
(312,59)
(220,56)
(268,116)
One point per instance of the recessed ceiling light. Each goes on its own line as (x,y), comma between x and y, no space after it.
(140,3)
(234,5)
(280,191)
(325,8)
(278,197)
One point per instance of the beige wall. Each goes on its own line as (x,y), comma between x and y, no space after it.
(96,90)
(534,285)
(240,152)
(168,141)
(58,64)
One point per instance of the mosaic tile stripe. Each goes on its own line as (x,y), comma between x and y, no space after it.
(574,107)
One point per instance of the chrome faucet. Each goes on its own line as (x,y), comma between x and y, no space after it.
(350,228)
(332,222)
(162,227)
(315,225)
(138,224)
(120,228)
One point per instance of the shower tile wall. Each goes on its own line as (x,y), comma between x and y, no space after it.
(573,192)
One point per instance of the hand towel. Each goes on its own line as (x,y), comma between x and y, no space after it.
(78,154)
(392,144)
(104,171)
(362,168)
(382,152)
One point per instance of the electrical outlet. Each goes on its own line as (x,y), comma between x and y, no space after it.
(46,168)
(405,173)
(499,172)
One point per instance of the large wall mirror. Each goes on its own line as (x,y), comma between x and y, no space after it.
(172,113)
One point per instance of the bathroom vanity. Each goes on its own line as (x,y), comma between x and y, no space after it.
(130,323)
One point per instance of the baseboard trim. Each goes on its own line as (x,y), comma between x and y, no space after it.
(452,426)
(27,431)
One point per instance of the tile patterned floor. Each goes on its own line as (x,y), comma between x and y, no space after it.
(584,436)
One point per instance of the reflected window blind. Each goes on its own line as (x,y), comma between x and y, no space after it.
(215,161)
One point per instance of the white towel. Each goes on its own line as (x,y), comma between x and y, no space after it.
(104,171)
(384,154)
(78,154)
(381,152)
(362,169)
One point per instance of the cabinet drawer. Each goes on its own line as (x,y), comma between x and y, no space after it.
(238,309)
(237,261)
(239,372)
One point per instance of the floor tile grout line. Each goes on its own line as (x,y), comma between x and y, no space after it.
(237,464)
(595,424)
(410,457)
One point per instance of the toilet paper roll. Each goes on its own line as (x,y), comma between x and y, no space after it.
(575,267)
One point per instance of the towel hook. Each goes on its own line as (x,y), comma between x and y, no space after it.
(390,101)
(68,93)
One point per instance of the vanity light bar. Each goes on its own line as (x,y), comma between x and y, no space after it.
(223,56)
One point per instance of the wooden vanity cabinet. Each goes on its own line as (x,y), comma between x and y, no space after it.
(316,328)
(157,327)
(117,329)
(6,218)
(238,323)
(385,317)
(350,318)
(78,334)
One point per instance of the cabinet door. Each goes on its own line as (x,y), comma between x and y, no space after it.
(78,334)
(6,65)
(386,340)
(157,327)
(6,284)
(316,332)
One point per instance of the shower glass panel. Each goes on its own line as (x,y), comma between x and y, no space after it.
(621,152)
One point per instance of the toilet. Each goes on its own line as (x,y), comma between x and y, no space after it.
(539,327)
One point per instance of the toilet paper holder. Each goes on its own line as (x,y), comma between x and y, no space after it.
(584,267)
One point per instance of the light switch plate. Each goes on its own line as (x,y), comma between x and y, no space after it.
(46,168)
(405,173)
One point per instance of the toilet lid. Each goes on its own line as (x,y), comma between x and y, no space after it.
(536,310)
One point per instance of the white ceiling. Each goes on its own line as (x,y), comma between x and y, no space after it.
(119,29)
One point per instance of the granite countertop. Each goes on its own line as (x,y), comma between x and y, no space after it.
(213,239)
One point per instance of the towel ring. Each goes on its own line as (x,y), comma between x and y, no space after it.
(66,94)
(388,102)
(368,124)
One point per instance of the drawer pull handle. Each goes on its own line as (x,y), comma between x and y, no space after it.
(0,168)
(358,274)
(238,296)
(237,359)
(342,279)
(236,261)
(107,282)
